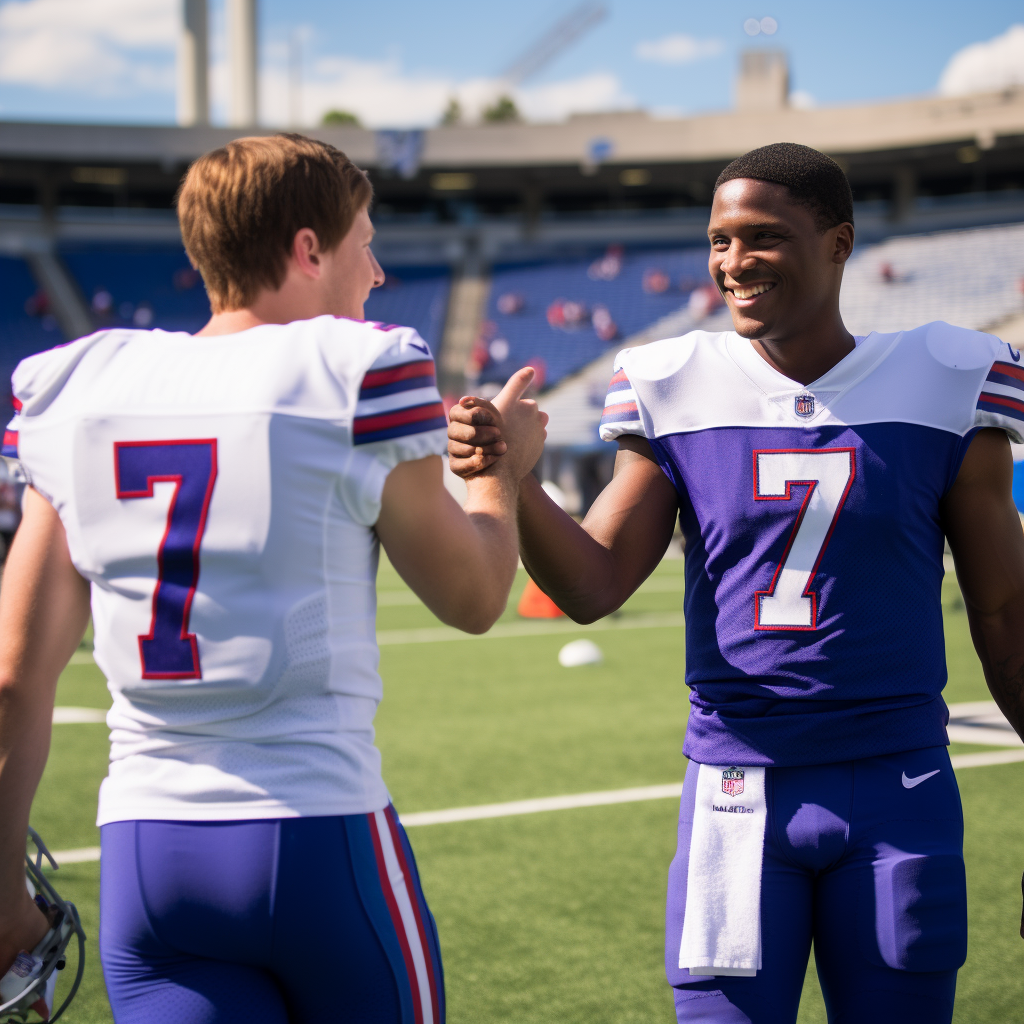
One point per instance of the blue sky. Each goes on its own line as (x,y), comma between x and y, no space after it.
(396,63)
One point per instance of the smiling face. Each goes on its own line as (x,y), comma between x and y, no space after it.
(778,273)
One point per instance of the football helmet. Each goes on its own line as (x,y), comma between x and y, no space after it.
(27,990)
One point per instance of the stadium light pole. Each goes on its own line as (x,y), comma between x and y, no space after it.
(243,38)
(295,78)
(193,65)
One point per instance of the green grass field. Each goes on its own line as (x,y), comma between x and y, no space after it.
(557,917)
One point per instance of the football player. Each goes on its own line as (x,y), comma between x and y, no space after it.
(816,476)
(222,498)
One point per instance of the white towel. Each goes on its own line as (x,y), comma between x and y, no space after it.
(722,921)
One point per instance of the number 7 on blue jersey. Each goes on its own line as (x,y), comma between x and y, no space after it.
(827,473)
(169,650)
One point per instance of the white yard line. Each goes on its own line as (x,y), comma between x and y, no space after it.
(546,803)
(568,802)
(78,716)
(534,627)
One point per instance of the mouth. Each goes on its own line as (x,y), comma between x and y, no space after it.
(746,295)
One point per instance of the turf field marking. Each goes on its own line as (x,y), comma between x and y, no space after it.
(986,759)
(570,801)
(537,627)
(981,721)
(84,855)
(661,585)
(78,716)
(546,803)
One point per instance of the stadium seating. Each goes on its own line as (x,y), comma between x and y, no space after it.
(154,286)
(26,326)
(414,297)
(970,278)
(552,310)
(138,285)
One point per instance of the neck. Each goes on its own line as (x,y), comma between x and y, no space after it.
(809,353)
(232,321)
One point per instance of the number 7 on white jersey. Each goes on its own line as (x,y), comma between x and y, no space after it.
(789,602)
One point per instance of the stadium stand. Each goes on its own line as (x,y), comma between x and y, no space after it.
(155,286)
(970,278)
(138,285)
(413,296)
(26,326)
(564,313)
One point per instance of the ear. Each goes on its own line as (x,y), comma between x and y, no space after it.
(843,243)
(306,252)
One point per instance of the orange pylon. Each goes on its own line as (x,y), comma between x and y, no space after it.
(535,604)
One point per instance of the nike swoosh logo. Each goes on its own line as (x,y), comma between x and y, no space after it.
(420,348)
(911,783)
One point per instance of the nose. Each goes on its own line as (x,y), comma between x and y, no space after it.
(378,273)
(736,259)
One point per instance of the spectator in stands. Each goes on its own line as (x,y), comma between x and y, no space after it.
(609,266)
(511,303)
(656,282)
(603,324)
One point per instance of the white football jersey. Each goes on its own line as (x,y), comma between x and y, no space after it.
(220,494)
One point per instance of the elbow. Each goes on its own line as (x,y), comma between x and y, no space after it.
(585,617)
(478,617)
(588,608)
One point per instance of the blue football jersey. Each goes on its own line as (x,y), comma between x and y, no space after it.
(810,517)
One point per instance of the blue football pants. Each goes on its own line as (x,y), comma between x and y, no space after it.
(267,922)
(869,868)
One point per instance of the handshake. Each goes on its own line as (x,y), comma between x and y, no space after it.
(506,434)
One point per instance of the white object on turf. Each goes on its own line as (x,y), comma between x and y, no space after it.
(722,920)
(580,652)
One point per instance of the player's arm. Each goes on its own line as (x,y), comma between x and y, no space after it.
(44,609)
(588,570)
(985,536)
(462,561)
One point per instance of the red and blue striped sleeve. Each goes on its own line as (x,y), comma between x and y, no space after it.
(10,445)
(621,412)
(398,405)
(1001,402)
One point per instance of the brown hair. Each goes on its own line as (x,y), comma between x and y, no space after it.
(241,206)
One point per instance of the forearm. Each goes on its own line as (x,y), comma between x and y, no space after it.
(999,640)
(25,722)
(44,609)
(568,564)
(488,556)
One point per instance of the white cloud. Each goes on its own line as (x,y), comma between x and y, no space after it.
(677,49)
(584,95)
(119,47)
(801,100)
(383,95)
(986,67)
(95,46)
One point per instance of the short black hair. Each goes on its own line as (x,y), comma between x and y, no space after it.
(814,180)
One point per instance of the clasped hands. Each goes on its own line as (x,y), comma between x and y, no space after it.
(510,428)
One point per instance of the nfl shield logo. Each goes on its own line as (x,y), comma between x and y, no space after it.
(732,781)
(804,405)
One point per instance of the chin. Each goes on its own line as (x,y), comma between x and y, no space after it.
(748,328)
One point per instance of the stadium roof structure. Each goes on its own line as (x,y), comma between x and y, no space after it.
(629,136)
